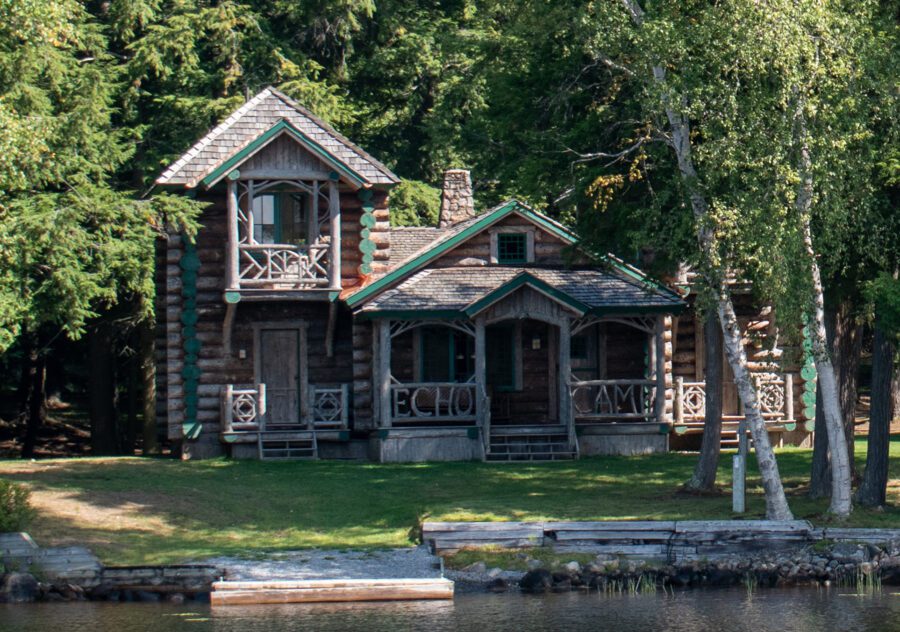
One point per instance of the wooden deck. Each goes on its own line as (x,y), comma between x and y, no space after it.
(235,593)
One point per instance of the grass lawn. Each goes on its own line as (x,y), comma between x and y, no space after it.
(132,510)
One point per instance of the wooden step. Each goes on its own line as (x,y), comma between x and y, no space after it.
(288,445)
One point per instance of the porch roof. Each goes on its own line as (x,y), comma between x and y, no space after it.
(241,132)
(462,292)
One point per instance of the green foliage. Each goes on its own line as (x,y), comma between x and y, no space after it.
(16,512)
(415,203)
(883,294)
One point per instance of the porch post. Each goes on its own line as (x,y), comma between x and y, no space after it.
(334,216)
(480,371)
(660,369)
(384,371)
(565,371)
(232,272)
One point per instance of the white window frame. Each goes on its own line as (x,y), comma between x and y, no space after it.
(529,241)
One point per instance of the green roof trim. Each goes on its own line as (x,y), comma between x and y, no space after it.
(263,139)
(489,218)
(483,222)
(518,281)
(414,314)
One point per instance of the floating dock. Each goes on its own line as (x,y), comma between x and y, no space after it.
(227,593)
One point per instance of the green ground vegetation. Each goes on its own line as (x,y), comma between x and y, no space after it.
(134,510)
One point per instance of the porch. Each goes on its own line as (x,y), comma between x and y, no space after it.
(775,391)
(253,431)
(521,385)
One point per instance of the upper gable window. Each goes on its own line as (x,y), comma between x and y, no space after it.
(280,218)
(512,248)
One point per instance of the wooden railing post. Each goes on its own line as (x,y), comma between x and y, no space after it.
(228,407)
(345,406)
(789,396)
(261,405)
(311,421)
(679,399)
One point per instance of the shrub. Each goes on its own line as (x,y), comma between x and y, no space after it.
(15,509)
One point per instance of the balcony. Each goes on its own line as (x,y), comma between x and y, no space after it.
(284,239)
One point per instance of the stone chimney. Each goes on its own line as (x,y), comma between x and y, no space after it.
(457,203)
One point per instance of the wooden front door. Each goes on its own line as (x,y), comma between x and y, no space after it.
(279,370)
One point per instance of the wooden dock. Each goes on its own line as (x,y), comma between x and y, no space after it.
(233,593)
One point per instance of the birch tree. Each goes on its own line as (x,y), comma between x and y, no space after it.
(674,106)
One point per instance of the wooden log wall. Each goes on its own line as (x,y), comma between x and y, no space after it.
(548,249)
(159,341)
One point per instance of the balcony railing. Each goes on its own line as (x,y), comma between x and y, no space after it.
(613,400)
(433,402)
(284,266)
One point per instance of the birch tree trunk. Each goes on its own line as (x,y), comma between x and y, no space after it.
(841,503)
(704,476)
(776,502)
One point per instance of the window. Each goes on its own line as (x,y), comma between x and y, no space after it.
(512,248)
(280,218)
(447,355)
(500,349)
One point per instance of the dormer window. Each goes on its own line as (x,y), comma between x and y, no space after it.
(512,247)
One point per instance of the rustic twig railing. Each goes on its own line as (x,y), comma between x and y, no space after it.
(433,401)
(330,407)
(243,407)
(775,392)
(613,400)
(277,265)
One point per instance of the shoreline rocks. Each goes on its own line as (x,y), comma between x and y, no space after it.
(840,564)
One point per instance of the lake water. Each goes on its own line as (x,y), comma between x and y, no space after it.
(788,610)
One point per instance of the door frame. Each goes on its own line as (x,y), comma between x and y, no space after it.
(301,327)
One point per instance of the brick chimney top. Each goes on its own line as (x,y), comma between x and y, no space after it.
(457,203)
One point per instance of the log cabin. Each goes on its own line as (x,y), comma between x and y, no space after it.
(299,323)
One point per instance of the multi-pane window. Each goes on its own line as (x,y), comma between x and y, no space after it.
(512,248)
(280,218)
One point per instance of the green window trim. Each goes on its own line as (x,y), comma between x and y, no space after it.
(512,248)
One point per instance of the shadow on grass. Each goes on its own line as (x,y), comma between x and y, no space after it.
(152,510)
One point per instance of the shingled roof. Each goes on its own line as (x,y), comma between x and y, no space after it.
(407,241)
(460,290)
(253,119)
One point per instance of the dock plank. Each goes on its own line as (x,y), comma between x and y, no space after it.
(319,591)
